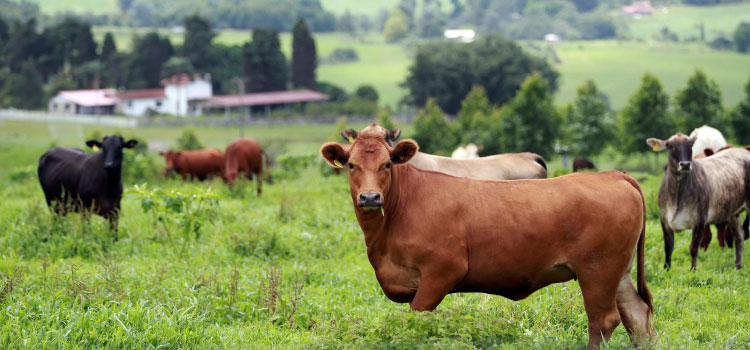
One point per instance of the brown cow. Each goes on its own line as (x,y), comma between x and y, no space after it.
(245,155)
(200,164)
(507,166)
(429,234)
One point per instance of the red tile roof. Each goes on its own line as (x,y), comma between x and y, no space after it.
(141,94)
(91,98)
(267,98)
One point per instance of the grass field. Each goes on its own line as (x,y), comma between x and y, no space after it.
(684,20)
(76,6)
(287,270)
(617,67)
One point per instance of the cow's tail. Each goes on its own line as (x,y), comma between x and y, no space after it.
(643,291)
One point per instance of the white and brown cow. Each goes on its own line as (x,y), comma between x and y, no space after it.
(699,192)
(507,166)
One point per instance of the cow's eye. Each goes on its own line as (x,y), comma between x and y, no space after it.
(351,166)
(388,165)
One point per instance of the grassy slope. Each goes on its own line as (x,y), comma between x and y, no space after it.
(617,67)
(76,6)
(718,21)
(82,292)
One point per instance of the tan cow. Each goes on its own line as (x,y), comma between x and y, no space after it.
(507,166)
(429,234)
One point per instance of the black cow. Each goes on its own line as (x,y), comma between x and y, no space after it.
(583,163)
(74,181)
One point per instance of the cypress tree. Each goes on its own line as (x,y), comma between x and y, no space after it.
(264,65)
(108,46)
(197,46)
(304,56)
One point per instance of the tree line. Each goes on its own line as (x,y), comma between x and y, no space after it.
(35,65)
(530,121)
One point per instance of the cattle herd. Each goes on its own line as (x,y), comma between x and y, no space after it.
(437,225)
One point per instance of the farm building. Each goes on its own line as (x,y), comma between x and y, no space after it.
(181,95)
(638,8)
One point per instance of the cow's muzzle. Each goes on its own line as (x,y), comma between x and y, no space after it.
(369,200)
(109,165)
(684,166)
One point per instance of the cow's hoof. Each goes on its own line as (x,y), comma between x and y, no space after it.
(739,266)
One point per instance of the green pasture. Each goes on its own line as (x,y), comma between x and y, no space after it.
(76,6)
(684,20)
(289,270)
(617,66)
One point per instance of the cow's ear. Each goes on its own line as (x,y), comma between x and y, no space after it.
(694,138)
(404,151)
(349,135)
(335,154)
(130,143)
(656,144)
(393,134)
(94,144)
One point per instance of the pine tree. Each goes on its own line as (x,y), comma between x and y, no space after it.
(739,118)
(589,127)
(143,66)
(108,47)
(533,122)
(431,130)
(699,103)
(646,115)
(472,119)
(264,65)
(197,46)
(304,56)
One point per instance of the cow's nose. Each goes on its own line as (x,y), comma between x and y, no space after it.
(370,199)
(685,165)
(109,165)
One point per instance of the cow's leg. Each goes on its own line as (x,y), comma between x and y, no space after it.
(668,245)
(113,223)
(695,243)
(434,285)
(599,299)
(724,235)
(737,234)
(633,311)
(258,180)
(707,238)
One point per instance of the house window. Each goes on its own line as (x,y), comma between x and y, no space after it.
(158,103)
(130,103)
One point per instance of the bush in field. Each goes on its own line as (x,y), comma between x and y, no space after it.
(589,126)
(431,130)
(385,118)
(342,55)
(175,211)
(739,118)
(367,92)
(189,140)
(699,103)
(646,115)
(290,166)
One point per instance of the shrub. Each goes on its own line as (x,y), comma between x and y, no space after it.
(189,140)
(342,55)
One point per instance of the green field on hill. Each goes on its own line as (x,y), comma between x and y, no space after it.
(684,20)
(287,270)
